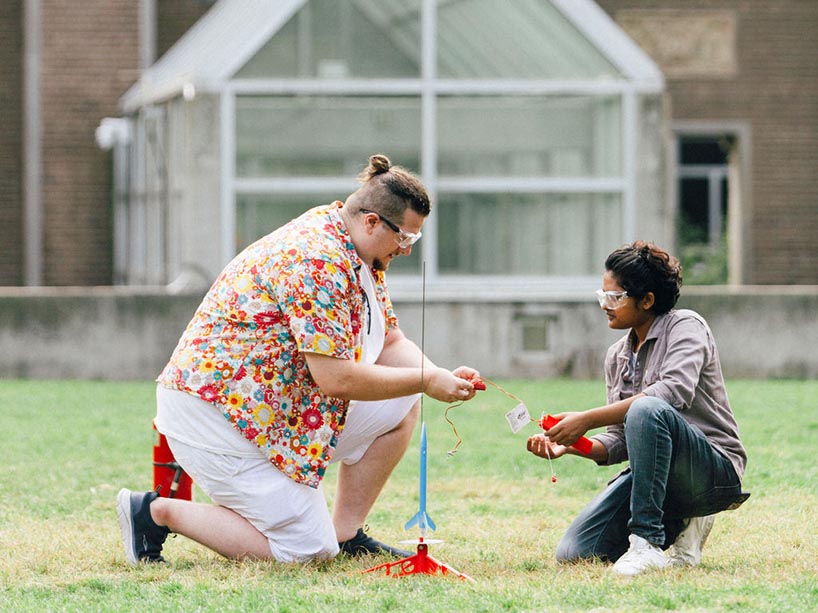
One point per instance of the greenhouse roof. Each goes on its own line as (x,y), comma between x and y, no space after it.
(230,34)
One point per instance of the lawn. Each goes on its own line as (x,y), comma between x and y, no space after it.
(68,447)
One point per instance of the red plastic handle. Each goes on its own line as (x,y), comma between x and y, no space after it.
(478,384)
(583,444)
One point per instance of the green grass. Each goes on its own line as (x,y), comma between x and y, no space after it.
(68,447)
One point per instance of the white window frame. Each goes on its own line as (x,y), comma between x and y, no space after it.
(429,89)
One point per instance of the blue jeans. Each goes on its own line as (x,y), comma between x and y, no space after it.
(674,473)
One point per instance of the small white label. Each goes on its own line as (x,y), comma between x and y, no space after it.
(518,418)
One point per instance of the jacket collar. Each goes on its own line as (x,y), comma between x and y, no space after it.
(657,329)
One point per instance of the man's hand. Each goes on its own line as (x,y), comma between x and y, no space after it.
(447,386)
(465,372)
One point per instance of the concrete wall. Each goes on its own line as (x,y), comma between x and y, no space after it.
(126,333)
(89,333)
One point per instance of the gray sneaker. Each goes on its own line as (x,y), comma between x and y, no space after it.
(142,537)
(687,550)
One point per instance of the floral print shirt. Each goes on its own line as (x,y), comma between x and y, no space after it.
(296,290)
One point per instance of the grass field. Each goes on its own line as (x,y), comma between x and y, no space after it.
(68,447)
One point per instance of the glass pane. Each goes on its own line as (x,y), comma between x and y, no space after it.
(703,150)
(407,264)
(527,234)
(328,39)
(693,210)
(524,39)
(257,215)
(530,136)
(286,136)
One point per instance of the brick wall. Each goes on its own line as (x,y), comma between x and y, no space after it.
(174,18)
(89,57)
(11,133)
(775,89)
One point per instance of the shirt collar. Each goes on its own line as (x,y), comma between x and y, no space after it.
(334,213)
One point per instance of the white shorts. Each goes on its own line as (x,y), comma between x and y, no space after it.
(294,517)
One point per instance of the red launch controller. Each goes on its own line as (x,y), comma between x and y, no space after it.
(583,444)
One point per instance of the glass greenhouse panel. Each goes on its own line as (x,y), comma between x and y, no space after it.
(259,214)
(292,136)
(328,39)
(531,136)
(523,39)
(527,234)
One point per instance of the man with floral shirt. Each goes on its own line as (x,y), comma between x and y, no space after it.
(294,360)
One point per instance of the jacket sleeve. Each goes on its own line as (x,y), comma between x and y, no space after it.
(688,349)
(614,436)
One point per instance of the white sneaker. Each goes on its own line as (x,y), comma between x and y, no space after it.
(687,550)
(642,556)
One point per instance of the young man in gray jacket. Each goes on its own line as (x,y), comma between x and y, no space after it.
(667,414)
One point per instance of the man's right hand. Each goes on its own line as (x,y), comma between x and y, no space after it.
(445,386)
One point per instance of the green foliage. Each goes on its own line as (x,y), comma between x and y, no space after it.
(702,264)
(69,446)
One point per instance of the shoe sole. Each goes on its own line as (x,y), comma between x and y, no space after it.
(123,511)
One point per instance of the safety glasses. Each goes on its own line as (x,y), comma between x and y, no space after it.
(611,299)
(404,239)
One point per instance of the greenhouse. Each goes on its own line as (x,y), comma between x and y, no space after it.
(536,125)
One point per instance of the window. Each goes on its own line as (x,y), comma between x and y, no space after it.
(702,207)
(323,136)
(529,136)
(519,130)
(527,234)
(524,39)
(338,40)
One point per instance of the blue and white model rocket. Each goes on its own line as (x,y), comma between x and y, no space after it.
(421,518)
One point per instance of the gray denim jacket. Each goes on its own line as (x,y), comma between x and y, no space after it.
(678,363)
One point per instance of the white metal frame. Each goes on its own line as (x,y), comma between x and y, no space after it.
(642,76)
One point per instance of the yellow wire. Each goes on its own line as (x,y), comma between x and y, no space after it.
(452,451)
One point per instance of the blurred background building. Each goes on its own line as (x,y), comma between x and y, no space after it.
(144,143)
(533,118)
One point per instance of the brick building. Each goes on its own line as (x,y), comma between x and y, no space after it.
(63,66)
(747,70)
(741,76)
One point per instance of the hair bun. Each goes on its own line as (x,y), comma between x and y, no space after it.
(378,164)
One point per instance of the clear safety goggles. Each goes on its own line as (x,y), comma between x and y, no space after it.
(404,239)
(611,299)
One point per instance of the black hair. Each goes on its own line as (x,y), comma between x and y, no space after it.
(642,267)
